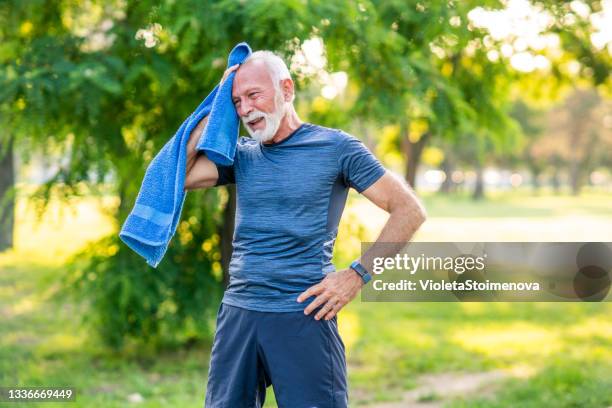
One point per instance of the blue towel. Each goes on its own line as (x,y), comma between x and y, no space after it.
(152,222)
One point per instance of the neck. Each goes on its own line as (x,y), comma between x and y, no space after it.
(289,123)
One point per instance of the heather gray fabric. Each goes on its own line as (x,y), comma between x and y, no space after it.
(290,197)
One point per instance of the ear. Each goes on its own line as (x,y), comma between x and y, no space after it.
(287,89)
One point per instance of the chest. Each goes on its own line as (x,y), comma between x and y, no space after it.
(288,180)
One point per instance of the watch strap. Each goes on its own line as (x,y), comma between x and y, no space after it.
(361,271)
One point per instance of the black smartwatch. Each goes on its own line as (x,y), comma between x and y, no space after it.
(361,271)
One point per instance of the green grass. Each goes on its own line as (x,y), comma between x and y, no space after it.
(519,204)
(561,353)
(397,342)
(41,344)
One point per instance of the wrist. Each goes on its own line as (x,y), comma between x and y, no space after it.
(360,271)
(354,277)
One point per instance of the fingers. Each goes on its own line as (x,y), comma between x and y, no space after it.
(319,300)
(313,290)
(329,308)
(232,68)
(334,311)
(228,71)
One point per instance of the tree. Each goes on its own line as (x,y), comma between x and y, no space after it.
(7,194)
(532,126)
(578,135)
(424,69)
(107,84)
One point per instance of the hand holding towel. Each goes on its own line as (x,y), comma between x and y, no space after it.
(152,222)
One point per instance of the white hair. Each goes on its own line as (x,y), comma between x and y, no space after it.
(276,67)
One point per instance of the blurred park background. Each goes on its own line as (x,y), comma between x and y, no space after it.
(498,113)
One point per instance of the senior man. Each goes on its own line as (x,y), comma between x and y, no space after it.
(276,324)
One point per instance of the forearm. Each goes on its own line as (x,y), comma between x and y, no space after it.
(406,214)
(338,288)
(194,137)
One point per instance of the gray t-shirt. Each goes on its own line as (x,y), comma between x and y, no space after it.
(290,197)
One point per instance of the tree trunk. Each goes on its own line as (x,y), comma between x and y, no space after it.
(479,187)
(7,195)
(535,182)
(447,185)
(556,182)
(575,178)
(227,232)
(581,168)
(412,152)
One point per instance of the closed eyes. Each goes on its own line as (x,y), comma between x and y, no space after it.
(250,95)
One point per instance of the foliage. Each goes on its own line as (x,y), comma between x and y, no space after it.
(563,349)
(135,307)
(100,86)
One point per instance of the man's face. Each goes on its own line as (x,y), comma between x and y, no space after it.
(260,107)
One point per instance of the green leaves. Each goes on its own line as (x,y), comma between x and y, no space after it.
(78,75)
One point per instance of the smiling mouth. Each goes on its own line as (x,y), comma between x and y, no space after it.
(254,122)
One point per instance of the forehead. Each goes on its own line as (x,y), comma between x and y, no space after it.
(250,75)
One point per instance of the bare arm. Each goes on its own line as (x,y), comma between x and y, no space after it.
(395,196)
(200,172)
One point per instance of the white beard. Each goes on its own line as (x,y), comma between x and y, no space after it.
(272,120)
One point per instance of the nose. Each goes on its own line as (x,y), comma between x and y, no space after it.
(245,108)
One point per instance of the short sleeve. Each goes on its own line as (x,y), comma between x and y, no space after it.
(226,175)
(359,167)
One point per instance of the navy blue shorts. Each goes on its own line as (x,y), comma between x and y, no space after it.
(302,358)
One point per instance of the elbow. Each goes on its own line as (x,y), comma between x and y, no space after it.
(412,209)
(420,213)
(417,213)
(418,209)
(197,183)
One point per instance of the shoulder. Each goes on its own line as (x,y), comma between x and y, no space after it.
(344,142)
(337,137)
